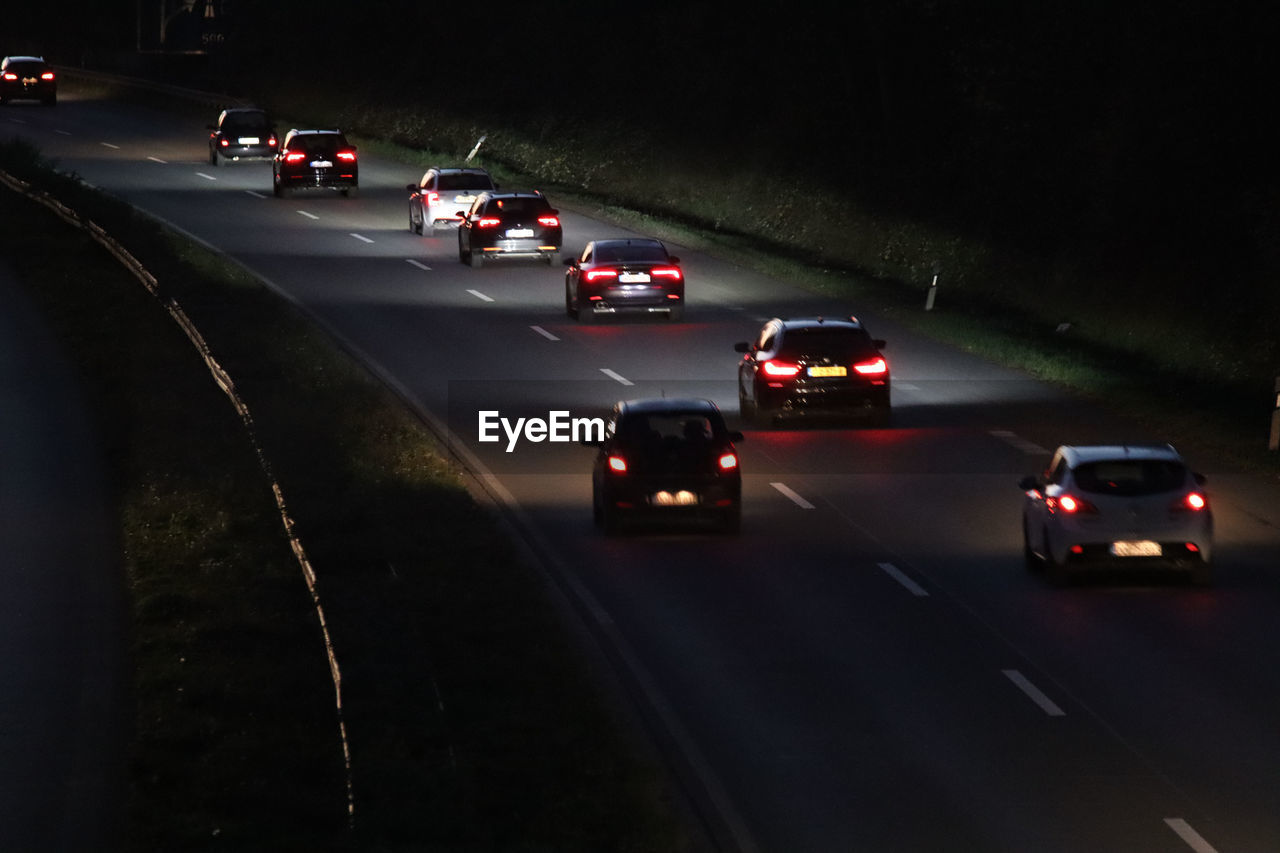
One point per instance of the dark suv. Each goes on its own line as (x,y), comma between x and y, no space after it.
(242,133)
(666,459)
(310,159)
(813,366)
(27,78)
(509,224)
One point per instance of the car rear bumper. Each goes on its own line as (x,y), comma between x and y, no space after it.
(817,400)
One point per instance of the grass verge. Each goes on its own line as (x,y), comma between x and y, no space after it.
(474,721)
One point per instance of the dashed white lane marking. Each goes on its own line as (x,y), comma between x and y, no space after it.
(478,295)
(1014,440)
(792,496)
(1192,838)
(544,333)
(361,237)
(63,132)
(411,262)
(109,145)
(256,194)
(308,215)
(18,121)
(616,377)
(206,177)
(1034,693)
(158,160)
(894,572)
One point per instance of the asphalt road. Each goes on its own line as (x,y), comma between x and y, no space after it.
(867,667)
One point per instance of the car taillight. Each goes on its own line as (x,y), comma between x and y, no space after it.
(272,141)
(1071,505)
(488,222)
(728,461)
(224,142)
(9,75)
(1193,501)
(48,75)
(874,367)
(294,156)
(617,465)
(433,197)
(780,368)
(549,221)
(347,156)
(672,273)
(592,275)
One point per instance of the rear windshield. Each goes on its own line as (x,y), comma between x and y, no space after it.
(319,143)
(237,123)
(29,69)
(677,426)
(1131,476)
(450,183)
(610,254)
(839,343)
(518,206)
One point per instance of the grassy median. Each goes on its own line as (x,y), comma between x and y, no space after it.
(475,722)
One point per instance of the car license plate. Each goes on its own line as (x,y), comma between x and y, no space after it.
(684,497)
(464,199)
(248,140)
(633,277)
(321,164)
(519,232)
(1141,548)
(833,370)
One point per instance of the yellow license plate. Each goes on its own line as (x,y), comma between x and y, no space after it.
(834,370)
(1142,548)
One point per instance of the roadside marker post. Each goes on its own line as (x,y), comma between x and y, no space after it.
(933,292)
(1274,444)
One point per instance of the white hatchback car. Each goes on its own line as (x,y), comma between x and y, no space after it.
(1116,506)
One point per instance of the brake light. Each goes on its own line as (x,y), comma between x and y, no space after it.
(48,75)
(1193,501)
(224,142)
(433,197)
(294,156)
(347,156)
(780,368)
(617,465)
(9,75)
(272,141)
(549,221)
(874,367)
(592,275)
(1071,505)
(666,272)
(728,461)
(488,222)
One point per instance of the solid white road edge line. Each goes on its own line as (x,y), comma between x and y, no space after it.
(478,295)
(894,572)
(1046,704)
(795,498)
(1193,839)
(544,333)
(614,376)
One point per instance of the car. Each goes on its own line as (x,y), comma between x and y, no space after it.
(1117,506)
(315,159)
(242,133)
(511,225)
(666,460)
(813,366)
(27,78)
(441,198)
(623,274)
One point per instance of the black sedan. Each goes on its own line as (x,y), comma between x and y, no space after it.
(667,460)
(612,276)
(27,78)
(315,159)
(242,133)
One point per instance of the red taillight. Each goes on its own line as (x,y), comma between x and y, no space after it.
(672,273)
(294,156)
(272,141)
(592,275)
(1193,501)
(433,197)
(617,465)
(48,75)
(9,75)
(347,156)
(728,461)
(780,368)
(488,222)
(224,142)
(549,221)
(1071,505)
(874,367)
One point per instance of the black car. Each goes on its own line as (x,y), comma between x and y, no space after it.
(509,224)
(442,197)
(627,274)
(242,133)
(813,366)
(667,460)
(27,78)
(315,159)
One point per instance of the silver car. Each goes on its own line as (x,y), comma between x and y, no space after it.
(442,197)
(1117,506)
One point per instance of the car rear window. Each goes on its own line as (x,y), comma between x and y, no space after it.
(1131,477)
(833,342)
(235,124)
(610,254)
(450,183)
(518,206)
(678,426)
(318,143)
(27,69)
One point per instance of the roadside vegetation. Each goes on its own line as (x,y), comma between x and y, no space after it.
(476,721)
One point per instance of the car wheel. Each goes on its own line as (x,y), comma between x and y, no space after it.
(569,307)
(550,258)
(610,520)
(676,315)
(476,259)
(213,157)
(731,521)
(585,313)
(1030,559)
(281,190)
(414,228)
(50,101)
(882,418)
(351,192)
(1202,573)
(746,409)
(1058,573)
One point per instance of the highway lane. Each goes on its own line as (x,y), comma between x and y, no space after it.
(868,666)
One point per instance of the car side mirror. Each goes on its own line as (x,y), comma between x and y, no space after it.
(736,437)
(878,343)
(742,346)
(1201,479)
(569,262)
(210,127)
(411,187)
(1029,484)
(673,259)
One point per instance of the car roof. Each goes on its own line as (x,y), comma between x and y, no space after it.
(512,194)
(24,59)
(239,110)
(627,241)
(1082,454)
(652,405)
(458,170)
(818,322)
